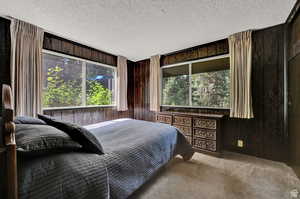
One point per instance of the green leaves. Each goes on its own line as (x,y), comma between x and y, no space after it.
(97,94)
(62,92)
(176,90)
(209,89)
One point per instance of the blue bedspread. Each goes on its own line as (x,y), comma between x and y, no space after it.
(134,151)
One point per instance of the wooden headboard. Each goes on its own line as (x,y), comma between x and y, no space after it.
(9,145)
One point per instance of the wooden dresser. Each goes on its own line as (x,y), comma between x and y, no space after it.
(203,131)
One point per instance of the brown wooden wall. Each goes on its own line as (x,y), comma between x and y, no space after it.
(293,33)
(263,136)
(141,91)
(202,51)
(4,55)
(61,45)
(4,79)
(85,116)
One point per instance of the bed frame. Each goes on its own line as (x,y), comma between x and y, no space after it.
(9,145)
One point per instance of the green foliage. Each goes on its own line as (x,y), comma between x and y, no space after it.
(97,94)
(60,93)
(209,89)
(176,90)
(63,93)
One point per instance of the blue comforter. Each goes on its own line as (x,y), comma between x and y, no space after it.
(134,151)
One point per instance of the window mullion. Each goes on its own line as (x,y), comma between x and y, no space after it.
(190,84)
(83,83)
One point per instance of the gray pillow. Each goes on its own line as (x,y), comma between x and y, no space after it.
(38,139)
(84,137)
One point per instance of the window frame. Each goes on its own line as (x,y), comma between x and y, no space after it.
(190,82)
(84,63)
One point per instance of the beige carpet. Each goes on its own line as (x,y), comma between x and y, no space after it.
(234,176)
(296,170)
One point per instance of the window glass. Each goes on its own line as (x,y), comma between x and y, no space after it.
(99,85)
(69,82)
(210,83)
(209,86)
(175,85)
(62,81)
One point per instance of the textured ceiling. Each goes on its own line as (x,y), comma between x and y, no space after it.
(138,29)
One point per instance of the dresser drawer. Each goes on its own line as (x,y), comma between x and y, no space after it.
(205,123)
(199,143)
(209,145)
(185,130)
(183,121)
(167,119)
(205,134)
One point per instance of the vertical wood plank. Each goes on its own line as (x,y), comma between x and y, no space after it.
(67,115)
(61,45)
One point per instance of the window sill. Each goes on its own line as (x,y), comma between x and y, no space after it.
(77,107)
(196,107)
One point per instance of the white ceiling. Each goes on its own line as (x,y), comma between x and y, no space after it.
(138,29)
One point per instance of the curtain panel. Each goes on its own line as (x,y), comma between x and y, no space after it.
(155,77)
(240,48)
(26,67)
(121,91)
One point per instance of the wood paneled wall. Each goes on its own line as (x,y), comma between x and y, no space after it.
(263,136)
(202,51)
(4,55)
(4,79)
(293,33)
(85,116)
(61,45)
(141,91)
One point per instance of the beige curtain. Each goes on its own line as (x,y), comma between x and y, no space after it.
(121,92)
(155,83)
(26,67)
(240,48)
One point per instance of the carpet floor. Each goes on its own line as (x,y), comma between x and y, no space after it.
(234,176)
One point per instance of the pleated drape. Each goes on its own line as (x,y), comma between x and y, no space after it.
(240,48)
(26,67)
(155,83)
(121,92)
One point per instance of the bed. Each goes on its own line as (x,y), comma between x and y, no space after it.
(133,152)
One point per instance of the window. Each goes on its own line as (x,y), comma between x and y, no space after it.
(176,85)
(202,83)
(73,82)
(99,85)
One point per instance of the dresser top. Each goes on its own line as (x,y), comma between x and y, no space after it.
(192,114)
